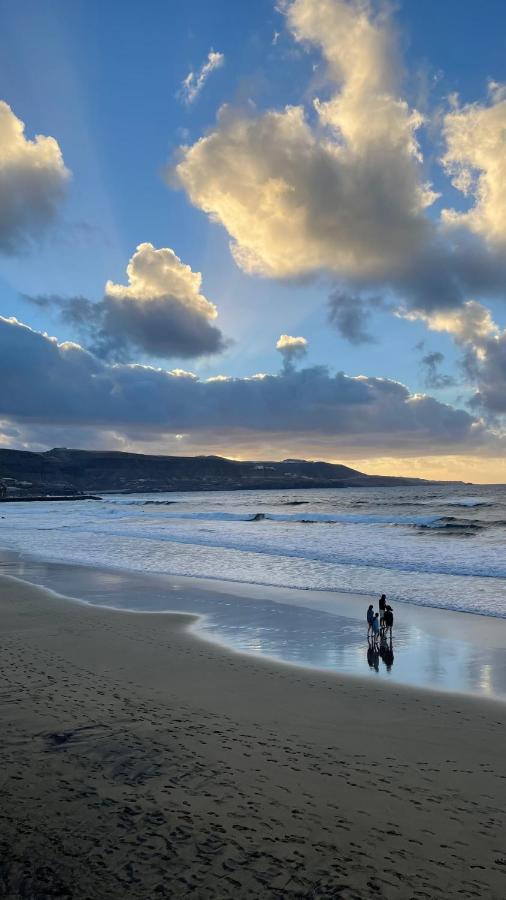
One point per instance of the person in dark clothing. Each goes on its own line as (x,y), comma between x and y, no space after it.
(382,607)
(370,617)
(388,619)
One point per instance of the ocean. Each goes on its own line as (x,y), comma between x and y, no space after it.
(440,546)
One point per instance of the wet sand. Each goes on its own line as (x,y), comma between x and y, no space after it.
(140,762)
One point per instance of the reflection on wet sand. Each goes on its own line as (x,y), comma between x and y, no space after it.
(383,651)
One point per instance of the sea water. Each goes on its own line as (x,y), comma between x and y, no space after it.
(441,546)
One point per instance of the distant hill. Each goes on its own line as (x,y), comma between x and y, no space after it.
(65,472)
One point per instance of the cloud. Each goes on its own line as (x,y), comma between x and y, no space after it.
(433,378)
(468,324)
(475,158)
(195,81)
(339,187)
(490,373)
(472,327)
(350,315)
(292,349)
(33,179)
(46,382)
(344,194)
(160,312)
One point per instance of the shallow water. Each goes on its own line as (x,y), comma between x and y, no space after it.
(434,649)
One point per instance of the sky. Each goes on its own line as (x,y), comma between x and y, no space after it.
(263,230)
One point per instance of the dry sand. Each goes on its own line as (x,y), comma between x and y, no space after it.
(139,761)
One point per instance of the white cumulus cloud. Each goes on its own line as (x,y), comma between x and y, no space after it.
(344,194)
(291,349)
(470,323)
(33,179)
(476,159)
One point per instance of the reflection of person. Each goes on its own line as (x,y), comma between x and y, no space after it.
(373,655)
(382,607)
(387,653)
(375,628)
(370,617)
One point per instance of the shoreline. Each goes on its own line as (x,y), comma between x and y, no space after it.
(175,767)
(192,625)
(444,651)
(238,587)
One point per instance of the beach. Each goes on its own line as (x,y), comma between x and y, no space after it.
(252,450)
(140,760)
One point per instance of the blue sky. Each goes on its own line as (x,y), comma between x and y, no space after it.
(104,80)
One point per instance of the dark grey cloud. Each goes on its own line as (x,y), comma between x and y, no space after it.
(489,372)
(161,312)
(433,378)
(350,315)
(62,384)
(482,346)
(112,329)
(449,269)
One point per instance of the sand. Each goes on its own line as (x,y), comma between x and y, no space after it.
(139,761)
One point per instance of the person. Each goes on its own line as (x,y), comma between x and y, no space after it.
(375,628)
(370,617)
(382,607)
(388,619)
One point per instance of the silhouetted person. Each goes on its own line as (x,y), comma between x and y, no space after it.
(388,620)
(382,607)
(370,617)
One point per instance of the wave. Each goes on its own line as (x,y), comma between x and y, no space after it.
(451,523)
(464,502)
(138,502)
(452,529)
(157,502)
(333,552)
(452,526)
(468,503)
(312,518)
(432,521)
